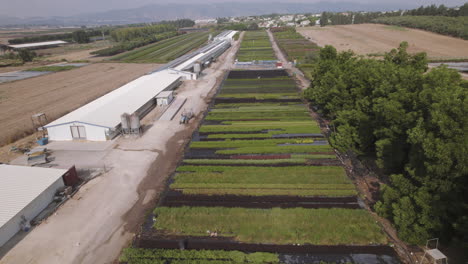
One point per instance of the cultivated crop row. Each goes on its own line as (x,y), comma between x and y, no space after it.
(165,50)
(258,176)
(255,46)
(296,48)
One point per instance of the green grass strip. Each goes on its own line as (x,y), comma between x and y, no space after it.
(335,226)
(262,175)
(53,68)
(277,149)
(147,256)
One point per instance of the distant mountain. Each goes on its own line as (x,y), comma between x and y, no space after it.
(158,12)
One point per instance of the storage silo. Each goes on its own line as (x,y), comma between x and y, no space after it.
(125,123)
(135,123)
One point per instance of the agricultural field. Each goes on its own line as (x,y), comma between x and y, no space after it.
(165,50)
(374,40)
(255,46)
(59,93)
(258,173)
(294,45)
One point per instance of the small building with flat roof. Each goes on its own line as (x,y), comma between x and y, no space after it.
(24,193)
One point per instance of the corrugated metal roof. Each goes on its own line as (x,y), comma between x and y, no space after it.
(20,185)
(106,110)
(37,44)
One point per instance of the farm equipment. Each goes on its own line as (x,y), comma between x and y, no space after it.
(38,156)
(186,116)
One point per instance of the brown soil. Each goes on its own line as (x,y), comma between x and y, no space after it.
(366,39)
(59,93)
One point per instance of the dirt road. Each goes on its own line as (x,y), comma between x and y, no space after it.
(103,217)
(376,39)
(59,93)
(304,83)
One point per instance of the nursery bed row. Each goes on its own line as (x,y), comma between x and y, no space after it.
(178,199)
(194,243)
(255,46)
(258,177)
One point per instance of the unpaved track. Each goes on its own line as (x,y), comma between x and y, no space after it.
(105,214)
(59,93)
(303,82)
(374,38)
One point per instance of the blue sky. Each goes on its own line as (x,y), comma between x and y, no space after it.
(28,8)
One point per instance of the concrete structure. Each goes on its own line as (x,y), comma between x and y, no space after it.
(25,192)
(165,98)
(100,120)
(38,45)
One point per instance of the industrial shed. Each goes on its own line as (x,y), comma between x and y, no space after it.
(100,120)
(37,45)
(25,191)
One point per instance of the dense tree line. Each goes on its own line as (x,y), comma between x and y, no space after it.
(440,10)
(329,18)
(132,33)
(452,26)
(413,123)
(63,36)
(345,18)
(179,23)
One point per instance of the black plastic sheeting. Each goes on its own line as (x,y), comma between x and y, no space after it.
(249,74)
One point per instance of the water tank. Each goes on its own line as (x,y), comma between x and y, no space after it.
(125,122)
(135,123)
(197,68)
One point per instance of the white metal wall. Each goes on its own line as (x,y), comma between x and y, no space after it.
(9,229)
(63,132)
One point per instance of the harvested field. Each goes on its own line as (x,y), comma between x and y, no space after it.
(374,39)
(59,93)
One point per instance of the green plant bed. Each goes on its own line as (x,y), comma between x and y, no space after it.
(257,107)
(278,115)
(147,256)
(165,50)
(244,161)
(261,96)
(53,68)
(334,226)
(294,127)
(258,176)
(247,143)
(256,181)
(256,104)
(230,190)
(277,149)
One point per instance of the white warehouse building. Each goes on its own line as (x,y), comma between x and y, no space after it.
(24,193)
(100,120)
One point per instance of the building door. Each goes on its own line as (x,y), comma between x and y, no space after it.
(78,132)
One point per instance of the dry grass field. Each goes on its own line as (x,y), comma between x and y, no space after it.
(59,93)
(374,39)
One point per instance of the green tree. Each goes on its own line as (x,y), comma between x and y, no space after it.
(26,55)
(80,36)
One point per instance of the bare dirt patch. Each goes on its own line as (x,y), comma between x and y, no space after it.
(376,39)
(59,93)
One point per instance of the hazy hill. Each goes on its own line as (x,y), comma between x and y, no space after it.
(159,12)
